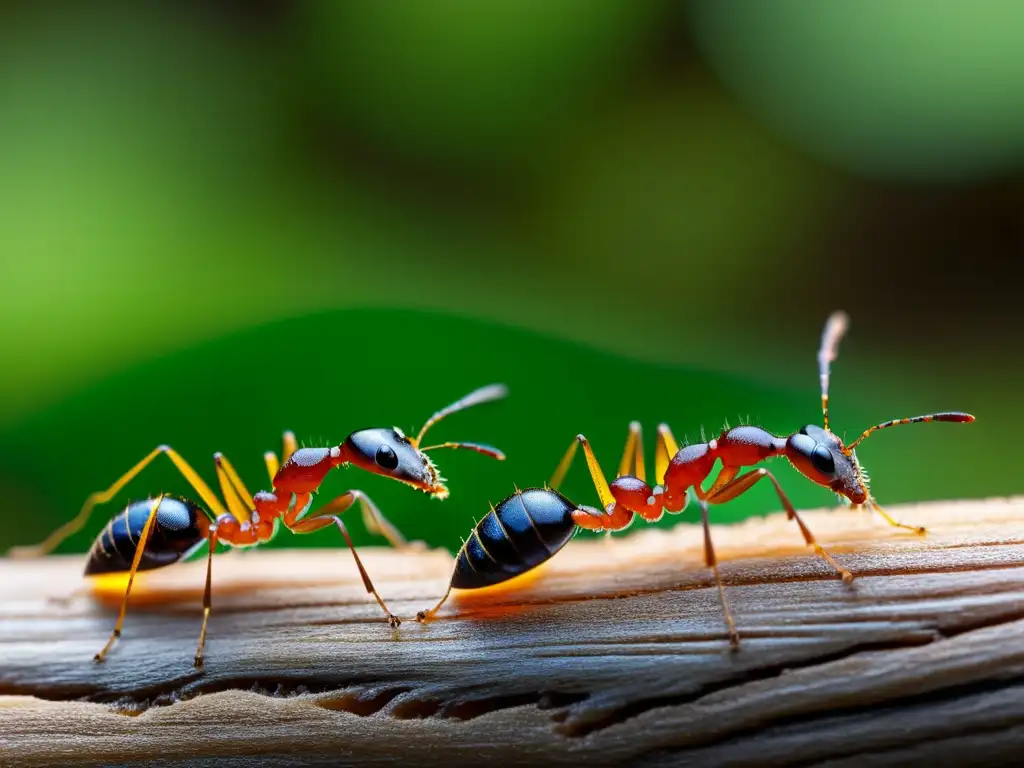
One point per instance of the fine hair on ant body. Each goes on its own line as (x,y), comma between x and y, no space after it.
(816,452)
(154,533)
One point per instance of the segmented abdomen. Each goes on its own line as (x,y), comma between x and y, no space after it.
(179,527)
(522,532)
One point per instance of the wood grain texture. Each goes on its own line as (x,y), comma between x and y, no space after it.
(614,653)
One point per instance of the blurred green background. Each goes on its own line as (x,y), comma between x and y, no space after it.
(221,220)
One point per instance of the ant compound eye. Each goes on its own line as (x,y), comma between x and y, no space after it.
(386,457)
(821,458)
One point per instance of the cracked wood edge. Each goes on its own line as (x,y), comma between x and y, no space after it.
(615,651)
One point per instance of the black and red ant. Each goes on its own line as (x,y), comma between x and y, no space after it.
(154,533)
(530,526)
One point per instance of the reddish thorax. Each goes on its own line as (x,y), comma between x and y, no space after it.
(306,469)
(737,447)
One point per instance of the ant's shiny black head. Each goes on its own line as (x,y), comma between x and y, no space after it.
(388,452)
(818,453)
(820,457)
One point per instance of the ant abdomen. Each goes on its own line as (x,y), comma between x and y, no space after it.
(516,536)
(179,528)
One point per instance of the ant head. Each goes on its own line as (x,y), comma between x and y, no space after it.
(818,453)
(821,457)
(388,452)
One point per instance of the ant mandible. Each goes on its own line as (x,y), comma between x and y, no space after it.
(816,452)
(154,533)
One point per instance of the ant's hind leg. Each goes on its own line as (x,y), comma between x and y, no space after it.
(235,494)
(74,525)
(317,522)
(143,540)
(422,616)
(746,481)
(596,474)
(207,603)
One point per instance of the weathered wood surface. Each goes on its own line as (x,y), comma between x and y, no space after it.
(614,654)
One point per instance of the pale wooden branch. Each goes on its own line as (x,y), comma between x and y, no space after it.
(615,653)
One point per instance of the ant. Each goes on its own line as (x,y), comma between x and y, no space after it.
(154,533)
(529,527)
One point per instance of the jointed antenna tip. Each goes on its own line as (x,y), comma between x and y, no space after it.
(484,394)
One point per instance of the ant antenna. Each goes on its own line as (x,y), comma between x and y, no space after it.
(476,397)
(954,416)
(487,450)
(835,327)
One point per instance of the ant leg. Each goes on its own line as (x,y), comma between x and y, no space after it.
(665,449)
(270,459)
(633,456)
(744,482)
(373,518)
(711,560)
(596,475)
(918,529)
(315,524)
(143,540)
(422,616)
(725,476)
(563,466)
(198,661)
(632,462)
(229,490)
(101,497)
(375,522)
(236,482)
(613,517)
(289,445)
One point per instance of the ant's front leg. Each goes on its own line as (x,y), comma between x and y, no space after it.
(321,520)
(373,519)
(743,483)
(920,530)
